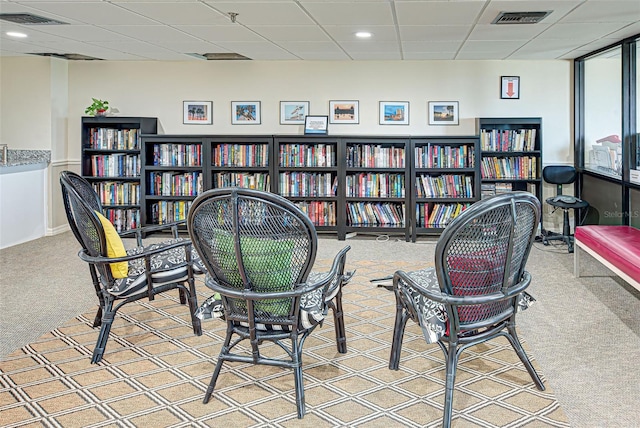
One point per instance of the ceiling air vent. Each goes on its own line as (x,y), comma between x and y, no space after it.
(520,17)
(29,19)
(220,56)
(69,56)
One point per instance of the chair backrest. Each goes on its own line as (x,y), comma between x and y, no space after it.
(81,204)
(559,175)
(481,256)
(255,242)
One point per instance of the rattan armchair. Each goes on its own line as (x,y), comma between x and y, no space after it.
(121,276)
(477,286)
(259,249)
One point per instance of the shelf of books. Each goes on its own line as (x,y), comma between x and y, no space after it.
(110,161)
(240,162)
(376,177)
(443,181)
(307,174)
(173,176)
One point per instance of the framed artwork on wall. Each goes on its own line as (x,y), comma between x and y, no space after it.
(394,112)
(197,112)
(344,112)
(510,87)
(245,112)
(293,112)
(316,125)
(443,113)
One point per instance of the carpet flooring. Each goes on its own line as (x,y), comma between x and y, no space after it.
(155,371)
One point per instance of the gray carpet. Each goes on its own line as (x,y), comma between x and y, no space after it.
(583,333)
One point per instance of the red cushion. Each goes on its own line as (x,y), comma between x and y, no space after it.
(619,245)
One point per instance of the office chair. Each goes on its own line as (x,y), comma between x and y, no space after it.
(560,175)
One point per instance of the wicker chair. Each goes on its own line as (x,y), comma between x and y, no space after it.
(137,273)
(259,249)
(477,286)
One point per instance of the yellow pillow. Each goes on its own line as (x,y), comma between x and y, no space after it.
(115,247)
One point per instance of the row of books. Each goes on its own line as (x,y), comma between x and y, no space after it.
(321,213)
(177,154)
(375,214)
(114,139)
(437,215)
(307,155)
(247,180)
(115,165)
(444,186)
(508,140)
(491,189)
(375,185)
(438,156)
(522,168)
(118,192)
(375,156)
(163,212)
(252,155)
(307,184)
(175,183)
(123,219)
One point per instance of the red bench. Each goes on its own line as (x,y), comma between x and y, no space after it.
(616,247)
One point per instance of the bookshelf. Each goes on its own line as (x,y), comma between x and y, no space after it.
(443,181)
(376,176)
(173,176)
(307,173)
(110,161)
(242,161)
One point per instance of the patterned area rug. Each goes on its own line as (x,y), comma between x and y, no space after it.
(155,372)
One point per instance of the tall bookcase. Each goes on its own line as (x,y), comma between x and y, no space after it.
(172,176)
(110,161)
(243,161)
(307,172)
(510,155)
(443,181)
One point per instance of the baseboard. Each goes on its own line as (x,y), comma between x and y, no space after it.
(57,230)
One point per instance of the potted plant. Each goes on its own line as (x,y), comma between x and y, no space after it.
(97,108)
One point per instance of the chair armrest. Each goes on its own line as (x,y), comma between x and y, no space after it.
(140,232)
(100,260)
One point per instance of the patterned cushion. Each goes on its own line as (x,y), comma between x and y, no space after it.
(166,267)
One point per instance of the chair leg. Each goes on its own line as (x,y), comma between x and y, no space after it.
(183,296)
(338,321)
(98,318)
(398,334)
(513,338)
(193,306)
(103,336)
(452,364)
(297,373)
(212,383)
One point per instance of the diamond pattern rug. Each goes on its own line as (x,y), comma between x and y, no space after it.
(155,371)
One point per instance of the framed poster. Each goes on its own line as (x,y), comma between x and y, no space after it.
(394,112)
(197,112)
(316,125)
(293,112)
(344,112)
(510,87)
(245,112)
(443,113)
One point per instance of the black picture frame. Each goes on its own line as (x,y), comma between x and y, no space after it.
(510,87)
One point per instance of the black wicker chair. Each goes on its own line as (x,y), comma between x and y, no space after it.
(259,249)
(139,272)
(477,286)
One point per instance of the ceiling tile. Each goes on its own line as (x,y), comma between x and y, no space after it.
(221,33)
(605,11)
(559,9)
(436,13)
(261,13)
(184,13)
(300,33)
(351,13)
(507,32)
(429,46)
(152,33)
(578,31)
(92,13)
(347,33)
(434,32)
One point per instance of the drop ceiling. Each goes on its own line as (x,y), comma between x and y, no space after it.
(184,30)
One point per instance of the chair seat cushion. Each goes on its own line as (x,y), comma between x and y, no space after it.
(167,267)
(312,309)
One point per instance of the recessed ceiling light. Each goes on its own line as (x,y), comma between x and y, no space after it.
(363,34)
(16,34)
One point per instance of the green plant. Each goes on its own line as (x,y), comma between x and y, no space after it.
(98,106)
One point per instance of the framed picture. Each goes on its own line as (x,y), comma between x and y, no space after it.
(510,87)
(394,112)
(245,112)
(344,112)
(293,112)
(443,113)
(316,125)
(197,112)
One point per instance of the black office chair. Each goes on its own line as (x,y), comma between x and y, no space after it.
(560,175)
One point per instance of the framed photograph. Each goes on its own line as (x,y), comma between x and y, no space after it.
(394,112)
(344,112)
(245,112)
(443,113)
(293,112)
(510,87)
(197,112)
(316,125)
